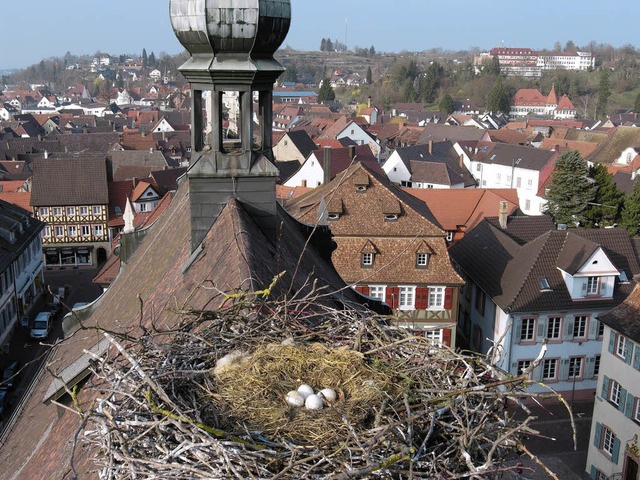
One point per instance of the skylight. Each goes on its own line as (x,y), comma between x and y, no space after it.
(544,285)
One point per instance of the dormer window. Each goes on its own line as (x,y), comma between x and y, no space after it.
(390,217)
(361,188)
(333,216)
(592,286)
(623,277)
(367,259)
(422,260)
(544,285)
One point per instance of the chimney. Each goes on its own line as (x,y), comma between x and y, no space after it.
(46,154)
(503,214)
(352,151)
(369,101)
(326,165)
(430,147)
(461,160)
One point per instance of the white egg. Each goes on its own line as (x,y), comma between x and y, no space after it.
(328,394)
(313,402)
(305,390)
(295,399)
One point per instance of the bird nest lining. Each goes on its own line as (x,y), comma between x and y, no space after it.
(253,391)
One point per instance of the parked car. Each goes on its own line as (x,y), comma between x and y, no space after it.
(4,402)
(41,326)
(9,376)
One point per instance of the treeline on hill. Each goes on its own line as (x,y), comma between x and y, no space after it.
(435,77)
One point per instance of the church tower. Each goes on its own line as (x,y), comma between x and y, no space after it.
(231,43)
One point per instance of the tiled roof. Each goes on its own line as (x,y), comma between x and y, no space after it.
(302,142)
(505,135)
(71,180)
(504,154)
(529,97)
(510,273)
(362,227)
(562,146)
(522,228)
(440,133)
(457,208)
(236,255)
(624,317)
(619,139)
(442,166)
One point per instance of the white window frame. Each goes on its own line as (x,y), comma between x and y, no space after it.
(621,346)
(378,291)
(58,231)
(608,440)
(522,366)
(96,210)
(615,393)
(573,363)
(98,230)
(524,330)
(449,236)
(636,414)
(596,365)
(578,321)
(557,331)
(434,336)
(84,210)
(72,230)
(593,285)
(422,259)
(546,369)
(71,211)
(407,297)
(43,211)
(366,259)
(56,211)
(85,230)
(436,298)
(46,233)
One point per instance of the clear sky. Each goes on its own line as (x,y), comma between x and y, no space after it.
(37,29)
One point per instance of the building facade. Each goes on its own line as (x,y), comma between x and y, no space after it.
(613,448)
(70,195)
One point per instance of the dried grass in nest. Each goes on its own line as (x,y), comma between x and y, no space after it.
(161,413)
(253,391)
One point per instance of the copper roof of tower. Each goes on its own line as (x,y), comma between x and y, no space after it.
(212,27)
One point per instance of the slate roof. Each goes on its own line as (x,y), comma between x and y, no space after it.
(302,142)
(70,180)
(625,318)
(510,272)
(441,166)
(523,229)
(504,154)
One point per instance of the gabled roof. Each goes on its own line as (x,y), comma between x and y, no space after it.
(510,272)
(464,208)
(70,180)
(302,142)
(529,158)
(619,140)
(233,258)
(441,166)
(439,133)
(141,187)
(574,253)
(624,318)
(562,146)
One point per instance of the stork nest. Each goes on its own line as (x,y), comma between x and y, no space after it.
(406,408)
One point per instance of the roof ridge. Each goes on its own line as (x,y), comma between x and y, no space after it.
(525,278)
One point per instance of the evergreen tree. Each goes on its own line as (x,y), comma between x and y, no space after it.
(570,190)
(326,92)
(152,60)
(372,51)
(323,45)
(498,100)
(446,104)
(145,58)
(328,45)
(607,203)
(369,76)
(631,212)
(408,92)
(604,92)
(636,104)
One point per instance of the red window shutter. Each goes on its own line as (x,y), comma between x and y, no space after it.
(392,297)
(448,298)
(422,298)
(446,337)
(363,290)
